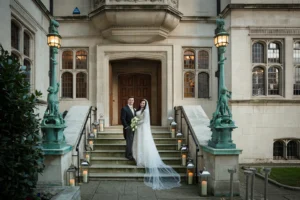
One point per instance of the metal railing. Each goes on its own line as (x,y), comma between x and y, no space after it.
(83,132)
(187,132)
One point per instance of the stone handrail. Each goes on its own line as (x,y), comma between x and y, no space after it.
(99,3)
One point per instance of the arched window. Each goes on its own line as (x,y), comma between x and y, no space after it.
(273,81)
(203,85)
(273,53)
(28,69)
(278,150)
(81,85)
(189,59)
(258,81)
(203,60)
(81,60)
(67,85)
(189,84)
(15,56)
(67,60)
(292,150)
(297,81)
(258,53)
(296,53)
(26,44)
(15,37)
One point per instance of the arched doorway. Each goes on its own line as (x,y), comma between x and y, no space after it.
(139,78)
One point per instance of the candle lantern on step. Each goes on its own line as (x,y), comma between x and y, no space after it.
(173,129)
(179,134)
(87,156)
(71,176)
(101,122)
(170,120)
(96,128)
(184,152)
(91,145)
(190,171)
(84,171)
(203,183)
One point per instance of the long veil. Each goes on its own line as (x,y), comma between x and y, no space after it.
(158,175)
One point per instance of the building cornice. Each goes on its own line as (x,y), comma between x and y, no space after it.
(230,7)
(264,101)
(43,8)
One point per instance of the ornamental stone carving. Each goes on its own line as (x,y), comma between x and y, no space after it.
(138,23)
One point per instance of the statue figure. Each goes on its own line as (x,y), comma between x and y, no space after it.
(53,27)
(52,100)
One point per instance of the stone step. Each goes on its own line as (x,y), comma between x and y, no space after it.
(125,161)
(119,134)
(123,146)
(122,141)
(121,153)
(108,168)
(123,176)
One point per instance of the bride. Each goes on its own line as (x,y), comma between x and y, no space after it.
(158,175)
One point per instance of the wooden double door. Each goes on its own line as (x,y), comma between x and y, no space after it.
(136,85)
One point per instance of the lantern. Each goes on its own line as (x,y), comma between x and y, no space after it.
(84,171)
(91,145)
(173,129)
(101,122)
(184,152)
(96,128)
(179,134)
(92,135)
(71,176)
(54,40)
(203,182)
(170,119)
(190,171)
(179,144)
(87,157)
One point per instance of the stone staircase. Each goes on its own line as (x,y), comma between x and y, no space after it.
(108,161)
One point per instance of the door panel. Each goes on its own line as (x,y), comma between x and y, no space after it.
(136,85)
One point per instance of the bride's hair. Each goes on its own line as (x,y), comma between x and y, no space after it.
(141,107)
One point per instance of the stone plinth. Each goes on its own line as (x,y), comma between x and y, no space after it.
(217,162)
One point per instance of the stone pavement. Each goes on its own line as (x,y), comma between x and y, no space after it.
(134,190)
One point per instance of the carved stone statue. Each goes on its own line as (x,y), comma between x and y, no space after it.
(52,100)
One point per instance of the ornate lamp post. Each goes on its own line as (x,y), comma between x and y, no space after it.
(53,123)
(221,123)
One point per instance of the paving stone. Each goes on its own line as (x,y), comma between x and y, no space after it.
(87,196)
(105,196)
(90,187)
(111,187)
(177,193)
(128,197)
(145,191)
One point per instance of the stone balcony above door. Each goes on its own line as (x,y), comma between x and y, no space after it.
(135,21)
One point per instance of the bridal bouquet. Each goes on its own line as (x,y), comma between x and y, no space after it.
(134,122)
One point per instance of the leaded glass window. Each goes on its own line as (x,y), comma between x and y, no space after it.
(203,59)
(15,56)
(26,44)
(296,52)
(273,53)
(189,84)
(258,53)
(28,69)
(273,81)
(67,60)
(292,150)
(15,39)
(278,150)
(258,81)
(81,60)
(67,85)
(297,81)
(81,85)
(189,60)
(203,85)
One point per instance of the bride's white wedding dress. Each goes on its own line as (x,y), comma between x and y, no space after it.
(158,175)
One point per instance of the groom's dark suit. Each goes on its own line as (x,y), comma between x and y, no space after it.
(126,116)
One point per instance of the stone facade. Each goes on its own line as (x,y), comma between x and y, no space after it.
(261,119)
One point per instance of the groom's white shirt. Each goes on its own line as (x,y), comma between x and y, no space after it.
(131,108)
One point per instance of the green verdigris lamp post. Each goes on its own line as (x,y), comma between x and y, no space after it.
(53,123)
(221,123)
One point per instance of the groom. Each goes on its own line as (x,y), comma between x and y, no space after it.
(127,113)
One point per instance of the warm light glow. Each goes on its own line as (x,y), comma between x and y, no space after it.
(54,41)
(221,40)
